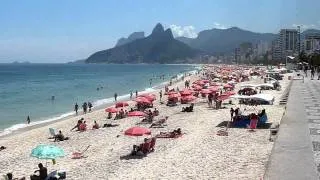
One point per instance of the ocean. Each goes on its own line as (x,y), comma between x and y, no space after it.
(27,89)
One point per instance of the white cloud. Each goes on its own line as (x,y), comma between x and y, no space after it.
(219,26)
(186,31)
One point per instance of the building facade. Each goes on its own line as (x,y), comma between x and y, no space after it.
(312,43)
(287,44)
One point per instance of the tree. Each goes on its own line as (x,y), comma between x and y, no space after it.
(303,57)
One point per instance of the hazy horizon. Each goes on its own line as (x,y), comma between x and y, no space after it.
(63,31)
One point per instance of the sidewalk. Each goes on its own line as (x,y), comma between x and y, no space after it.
(292,156)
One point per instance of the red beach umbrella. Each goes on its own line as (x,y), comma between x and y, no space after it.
(197,88)
(137,131)
(143,100)
(227,86)
(205,91)
(188,98)
(121,104)
(173,96)
(136,113)
(150,97)
(111,110)
(185,92)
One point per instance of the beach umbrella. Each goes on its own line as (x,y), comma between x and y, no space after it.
(143,100)
(137,131)
(197,88)
(173,96)
(121,104)
(205,91)
(43,151)
(227,86)
(136,113)
(172,92)
(111,110)
(185,92)
(150,97)
(188,98)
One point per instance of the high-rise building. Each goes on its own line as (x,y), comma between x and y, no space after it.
(312,43)
(286,44)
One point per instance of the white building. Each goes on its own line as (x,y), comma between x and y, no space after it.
(286,44)
(312,43)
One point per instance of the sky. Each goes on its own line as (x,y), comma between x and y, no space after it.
(57,31)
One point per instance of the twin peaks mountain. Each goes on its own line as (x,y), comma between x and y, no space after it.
(159,47)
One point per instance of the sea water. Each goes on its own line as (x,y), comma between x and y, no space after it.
(48,92)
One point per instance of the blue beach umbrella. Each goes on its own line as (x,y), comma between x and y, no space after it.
(43,151)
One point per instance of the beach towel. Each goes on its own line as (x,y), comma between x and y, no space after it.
(168,136)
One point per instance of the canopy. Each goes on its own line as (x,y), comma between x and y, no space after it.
(137,131)
(150,97)
(143,100)
(121,104)
(185,92)
(111,110)
(265,97)
(188,98)
(43,151)
(205,91)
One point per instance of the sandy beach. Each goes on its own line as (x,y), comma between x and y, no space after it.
(199,154)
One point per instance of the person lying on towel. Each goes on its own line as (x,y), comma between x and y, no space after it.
(173,134)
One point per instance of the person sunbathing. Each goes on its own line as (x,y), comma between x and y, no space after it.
(160,122)
(155,112)
(78,125)
(95,125)
(83,126)
(175,133)
(43,173)
(60,137)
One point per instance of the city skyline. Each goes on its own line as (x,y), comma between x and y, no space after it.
(58,31)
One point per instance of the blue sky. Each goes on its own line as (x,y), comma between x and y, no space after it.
(65,30)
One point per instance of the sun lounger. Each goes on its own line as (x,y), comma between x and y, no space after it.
(52,133)
(79,155)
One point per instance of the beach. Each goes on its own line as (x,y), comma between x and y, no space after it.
(199,154)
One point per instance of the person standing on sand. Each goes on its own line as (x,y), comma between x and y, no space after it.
(28,120)
(136,93)
(76,107)
(131,94)
(160,93)
(85,106)
(115,96)
(90,106)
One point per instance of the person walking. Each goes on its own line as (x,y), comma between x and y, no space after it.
(131,94)
(160,94)
(115,96)
(76,107)
(28,120)
(312,72)
(90,106)
(84,106)
(318,72)
(136,93)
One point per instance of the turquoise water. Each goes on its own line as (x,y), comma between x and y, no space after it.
(27,89)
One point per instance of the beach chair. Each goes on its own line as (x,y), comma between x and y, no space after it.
(79,155)
(52,133)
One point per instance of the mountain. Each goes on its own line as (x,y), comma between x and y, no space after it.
(132,37)
(225,40)
(80,61)
(158,47)
(309,31)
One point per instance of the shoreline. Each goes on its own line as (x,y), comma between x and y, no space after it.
(42,123)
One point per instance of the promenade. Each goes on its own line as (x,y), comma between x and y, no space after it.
(296,153)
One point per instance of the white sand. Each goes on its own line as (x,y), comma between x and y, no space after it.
(199,154)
